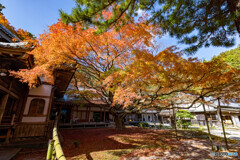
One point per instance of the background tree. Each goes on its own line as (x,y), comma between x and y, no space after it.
(232,57)
(183,117)
(197,23)
(1,8)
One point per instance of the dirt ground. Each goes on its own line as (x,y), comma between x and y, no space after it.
(131,144)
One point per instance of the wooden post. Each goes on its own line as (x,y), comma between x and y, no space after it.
(4,101)
(8,135)
(10,129)
(220,112)
(219,118)
(163,121)
(3,106)
(89,112)
(13,118)
(175,123)
(104,118)
(205,114)
(101,118)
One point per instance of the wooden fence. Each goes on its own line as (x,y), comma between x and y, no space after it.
(54,147)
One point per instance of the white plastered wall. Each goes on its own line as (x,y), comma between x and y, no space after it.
(44,92)
(236,121)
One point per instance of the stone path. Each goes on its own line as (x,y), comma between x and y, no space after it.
(8,153)
(230,133)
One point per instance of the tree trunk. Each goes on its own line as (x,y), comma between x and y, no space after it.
(205,114)
(174,122)
(220,112)
(234,8)
(119,121)
(180,122)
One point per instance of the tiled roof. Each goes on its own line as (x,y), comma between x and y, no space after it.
(5,30)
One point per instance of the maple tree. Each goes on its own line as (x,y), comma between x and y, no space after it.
(121,68)
(160,81)
(153,76)
(94,57)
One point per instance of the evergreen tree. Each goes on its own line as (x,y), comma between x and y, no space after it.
(184,118)
(232,57)
(1,8)
(198,23)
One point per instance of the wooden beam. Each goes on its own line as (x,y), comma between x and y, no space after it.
(3,106)
(8,92)
(16,51)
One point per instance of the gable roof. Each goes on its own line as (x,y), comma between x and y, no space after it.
(6,34)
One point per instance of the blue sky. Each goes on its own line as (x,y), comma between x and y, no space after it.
(36,15)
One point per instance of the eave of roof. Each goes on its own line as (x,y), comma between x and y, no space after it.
(5,30)
(16,46)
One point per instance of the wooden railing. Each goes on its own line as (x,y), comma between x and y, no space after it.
(55,151)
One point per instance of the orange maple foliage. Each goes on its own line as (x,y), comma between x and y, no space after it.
(158,80)
(66,46)
(20,33)
(94,56)
(118,68)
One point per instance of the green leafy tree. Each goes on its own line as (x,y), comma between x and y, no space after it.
(1,8)
(232,57)
(183,117)
(198,23)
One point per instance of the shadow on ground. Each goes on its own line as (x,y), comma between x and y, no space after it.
(133,143)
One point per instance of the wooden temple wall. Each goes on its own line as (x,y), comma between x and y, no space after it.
(12,99)
(28,130)
(39,115)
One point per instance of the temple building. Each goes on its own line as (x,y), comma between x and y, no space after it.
(80,113)
(230,116)
(25,113)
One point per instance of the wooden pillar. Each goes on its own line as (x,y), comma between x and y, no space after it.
(220,113)
(10,129)
(3,106)
(175,122)
(89,118)
(4,100)
(219,118)
(163,121)
(104,118)
(205,114)
(100,114)
(87,113)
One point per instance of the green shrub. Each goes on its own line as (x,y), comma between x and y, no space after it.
(161,126)
(145,124)
(76,144)
(213,127)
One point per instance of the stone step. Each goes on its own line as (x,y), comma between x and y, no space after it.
(8,153)
(26,144)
